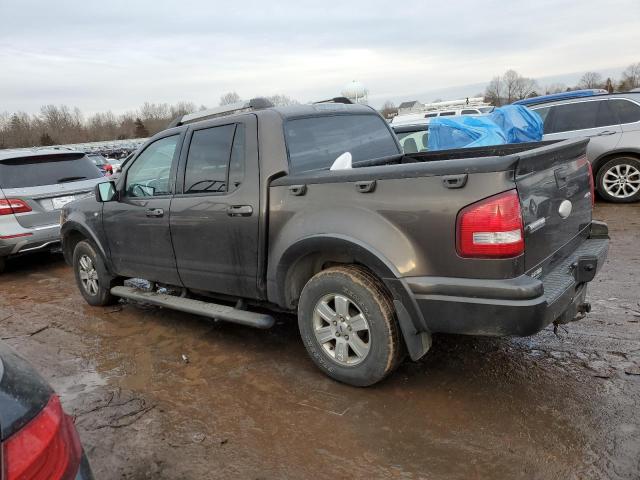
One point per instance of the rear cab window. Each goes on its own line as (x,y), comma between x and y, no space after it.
(314,143)
(36,171)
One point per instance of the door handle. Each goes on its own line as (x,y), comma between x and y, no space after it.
(298,190)
(155,212)
(239,210)
(605,133)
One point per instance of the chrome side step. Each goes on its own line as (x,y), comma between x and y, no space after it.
(197,307)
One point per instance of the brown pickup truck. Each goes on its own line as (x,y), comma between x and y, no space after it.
(229,213)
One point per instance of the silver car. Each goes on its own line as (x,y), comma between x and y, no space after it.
(34,186)
(612,122)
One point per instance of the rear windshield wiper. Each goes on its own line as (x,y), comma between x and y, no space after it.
(70,179)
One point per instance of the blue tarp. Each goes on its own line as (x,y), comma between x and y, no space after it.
(518,123)
(509,124)
(464,132)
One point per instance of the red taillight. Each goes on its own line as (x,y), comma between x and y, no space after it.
(591,184)
(46,448)
(109,169)
(13,205)
(491,228)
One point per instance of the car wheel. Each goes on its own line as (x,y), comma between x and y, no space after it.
(92,277)
(3,264)
(348,325)
(618,180)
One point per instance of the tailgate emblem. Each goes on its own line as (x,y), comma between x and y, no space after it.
(565,208)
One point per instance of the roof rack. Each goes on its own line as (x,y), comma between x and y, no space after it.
(588,92)
(344,100)
(257,103)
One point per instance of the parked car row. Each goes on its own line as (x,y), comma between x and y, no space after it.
(610,121)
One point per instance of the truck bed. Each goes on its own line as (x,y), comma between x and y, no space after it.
(408,215)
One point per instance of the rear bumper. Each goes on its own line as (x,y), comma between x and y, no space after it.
(520,306)
(23,240)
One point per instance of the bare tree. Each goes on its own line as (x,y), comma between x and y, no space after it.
(494,92)
(510,87)
(389,109)
(230,97)
(280,100)
(182,108)
(631,77)
(554,88)
(591,80)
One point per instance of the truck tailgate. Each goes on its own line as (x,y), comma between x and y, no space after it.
(555,188)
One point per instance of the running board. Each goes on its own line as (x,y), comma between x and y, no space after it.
(197,307)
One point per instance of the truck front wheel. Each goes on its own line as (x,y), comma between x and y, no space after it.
(348,325)
(92,277)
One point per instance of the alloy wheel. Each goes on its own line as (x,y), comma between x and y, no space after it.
(88,275)
(342,329)
(622,181)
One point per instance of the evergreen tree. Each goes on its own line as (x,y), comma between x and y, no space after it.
(141,131)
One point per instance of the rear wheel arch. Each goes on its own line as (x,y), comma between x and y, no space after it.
(304,259)
(601,161)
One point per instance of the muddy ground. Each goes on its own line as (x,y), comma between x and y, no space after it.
(165,395)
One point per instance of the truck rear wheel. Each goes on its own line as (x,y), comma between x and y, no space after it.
(92,277)
(348,325)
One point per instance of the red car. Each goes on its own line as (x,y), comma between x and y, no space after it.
(102,163)
(38,440)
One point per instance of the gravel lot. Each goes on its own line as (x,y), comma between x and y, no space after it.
(166,395)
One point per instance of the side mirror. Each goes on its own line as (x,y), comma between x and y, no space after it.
(105,191)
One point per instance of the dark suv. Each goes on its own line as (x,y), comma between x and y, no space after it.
(612,123)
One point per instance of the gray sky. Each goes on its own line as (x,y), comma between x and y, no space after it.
(115,54)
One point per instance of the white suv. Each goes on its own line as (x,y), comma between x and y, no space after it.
(612,122)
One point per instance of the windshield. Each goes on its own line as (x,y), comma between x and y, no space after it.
(314,143)
(37,171)
(98,159)
(414,142)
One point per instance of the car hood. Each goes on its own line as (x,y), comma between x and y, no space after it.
(23,393)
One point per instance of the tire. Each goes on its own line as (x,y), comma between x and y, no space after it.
(618,180)
(3,264)
(92,277)
(361,308)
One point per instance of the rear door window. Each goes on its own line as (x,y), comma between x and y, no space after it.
(628,112)
(314,143)
(46,170)
(581,116)
(469,112)
(216,160)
